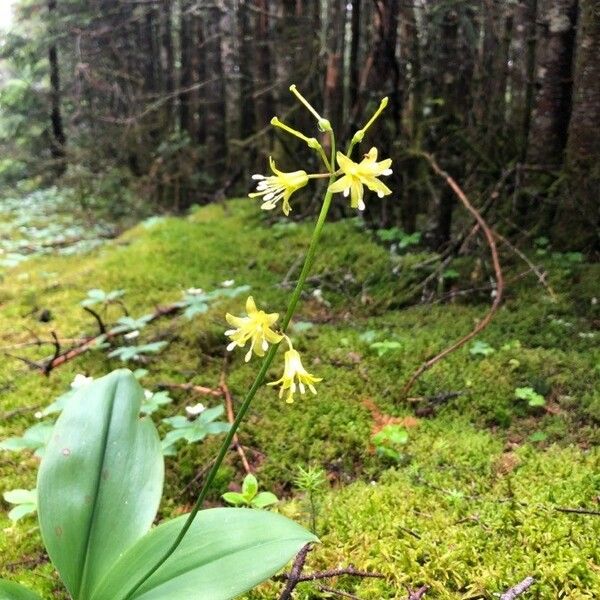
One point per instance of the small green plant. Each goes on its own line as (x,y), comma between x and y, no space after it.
(383,348)
(25,503)
(531,396)
(196,302)
(126,323)
(192,430)
(389,440)
(480,348)
(312,481)
(399,237)
(97,296)
(34,438)
(250,496)
(127,353)
(154,401)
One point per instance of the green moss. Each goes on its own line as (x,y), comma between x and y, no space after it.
(470,484)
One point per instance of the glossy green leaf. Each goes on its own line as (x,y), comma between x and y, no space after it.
(14,591)
(226,552)
(100,481)
(250,486)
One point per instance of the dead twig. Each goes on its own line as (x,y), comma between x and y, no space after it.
(489,235)
(518,589)
(47,365)
(191,387)
(231,418)
(294,576)
(578,511)
(417,594)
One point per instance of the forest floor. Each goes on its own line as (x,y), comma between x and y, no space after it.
(468,505)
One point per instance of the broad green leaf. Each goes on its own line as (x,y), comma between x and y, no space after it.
(226,552)
(20,511)
(100,481)
(14,591)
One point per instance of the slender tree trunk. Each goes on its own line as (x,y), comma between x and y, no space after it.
(577,224)
(333,97)
(354,59)
(215,102)
(247,108)
(169,58)
(58,133)
(531,46)
(186,75)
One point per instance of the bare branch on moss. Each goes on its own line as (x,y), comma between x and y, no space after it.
(417,594)
(490,237)
(294,575)
(518,589)
(231,417)
(101,324)
(578,511)
(191,387)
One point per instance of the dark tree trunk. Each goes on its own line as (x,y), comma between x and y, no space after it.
(548,129)
(169,58)
(247,109)
(333,97)
(353,69)
(577,224)
(531,7)
(263,96)
(186,75)
(58,133)
(215,104)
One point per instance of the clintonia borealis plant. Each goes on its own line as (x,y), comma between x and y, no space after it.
(101,478)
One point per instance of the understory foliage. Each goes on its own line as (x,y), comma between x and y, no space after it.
(162,104)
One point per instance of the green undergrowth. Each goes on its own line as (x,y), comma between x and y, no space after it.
(469,507)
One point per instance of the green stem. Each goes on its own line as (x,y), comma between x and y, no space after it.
(258,381)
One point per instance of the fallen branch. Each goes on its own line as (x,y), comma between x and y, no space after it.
(293,577)
(578,511)
(518,589)
(59,358)
(231,418)
(191,387)
(489,235)
(417,594)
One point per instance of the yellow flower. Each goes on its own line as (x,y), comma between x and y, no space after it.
(292,370)
(256,327)
(357,175)
(277,186)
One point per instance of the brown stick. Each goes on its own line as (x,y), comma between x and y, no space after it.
(231,418)
(518,589)
(489,235)
(49,364)
(578,511)
(417,594)
(190,387)
(294,576)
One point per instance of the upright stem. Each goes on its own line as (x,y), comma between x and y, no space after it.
(268,359)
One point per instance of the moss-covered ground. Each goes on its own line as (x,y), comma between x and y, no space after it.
(469,507)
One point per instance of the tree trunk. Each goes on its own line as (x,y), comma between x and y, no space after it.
(169,58)
(58,133)
(215,104)
(578,219)
(333,96)
(548,129)
(186,75)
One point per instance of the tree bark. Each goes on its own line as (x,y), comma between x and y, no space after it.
(186,75)
(333,97)
(59,139)
(548,129)
(578,219)
(215,103)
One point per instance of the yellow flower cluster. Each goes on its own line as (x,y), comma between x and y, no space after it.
(256,328)
(350,179)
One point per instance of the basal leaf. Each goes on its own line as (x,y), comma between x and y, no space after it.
(226,552)
(14,591)
(100,481)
